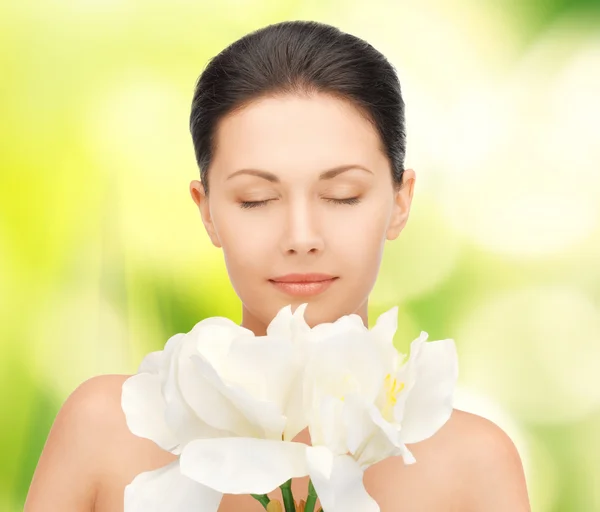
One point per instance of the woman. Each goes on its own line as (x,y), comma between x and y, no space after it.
(298,130)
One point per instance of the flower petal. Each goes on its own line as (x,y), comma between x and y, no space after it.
(152,362)
(391,432)
(263,366)
(344,363)
(207,395)
(229,407)
(186,425)
(320,459)
(383,331)
(281,325)
(370,437)
(357,423)
(386,442)
(326,423)
(243,465)
(181,418)
(344,490)
(158,361)
(407,375)
(347,324)
(386,325)
(213,336)
(144,408)
(167,489)
(429,402)
(299,325)
(294,409)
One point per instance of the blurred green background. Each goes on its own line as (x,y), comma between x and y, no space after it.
(103,255)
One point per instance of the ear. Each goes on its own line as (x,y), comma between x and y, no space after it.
(402,201)
(199,196)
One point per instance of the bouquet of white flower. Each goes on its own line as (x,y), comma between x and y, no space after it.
(230,403)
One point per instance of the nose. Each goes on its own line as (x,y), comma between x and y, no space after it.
(302,230)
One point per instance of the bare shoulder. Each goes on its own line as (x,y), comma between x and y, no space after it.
(69,469)
(469,465)
(125,454)
(95,451)
(130,453)
(490,464)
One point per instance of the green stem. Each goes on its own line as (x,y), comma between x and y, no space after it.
(263,498)
(288,497)
(311,499)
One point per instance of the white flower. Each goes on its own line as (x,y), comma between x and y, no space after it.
(217,396)
(229,404)
(364,405)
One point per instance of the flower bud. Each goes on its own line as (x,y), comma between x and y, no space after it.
(274,506)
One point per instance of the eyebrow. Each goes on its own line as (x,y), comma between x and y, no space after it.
(325,175)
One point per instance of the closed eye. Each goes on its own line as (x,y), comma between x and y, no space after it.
(256,204)
(348,200)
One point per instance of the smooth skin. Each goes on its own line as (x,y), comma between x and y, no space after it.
(337,225)
(301,228)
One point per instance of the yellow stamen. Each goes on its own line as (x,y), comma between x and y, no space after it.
(392,389)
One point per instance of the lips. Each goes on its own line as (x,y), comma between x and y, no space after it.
(302,278)
(303,284)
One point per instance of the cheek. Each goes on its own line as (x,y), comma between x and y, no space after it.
(360,235)
(239,231)
(357,249)
(362,254)
(244,249)
(247,248)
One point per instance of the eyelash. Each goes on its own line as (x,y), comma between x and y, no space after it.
(256,204)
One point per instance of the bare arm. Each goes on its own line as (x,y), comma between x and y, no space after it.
(67,474)
(495,471)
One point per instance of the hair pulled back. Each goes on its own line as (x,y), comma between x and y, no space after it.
(299,57)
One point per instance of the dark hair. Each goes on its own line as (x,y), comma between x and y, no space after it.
(299,57)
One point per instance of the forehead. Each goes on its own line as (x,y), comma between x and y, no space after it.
(294,133)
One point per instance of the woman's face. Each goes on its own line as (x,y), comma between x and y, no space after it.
(273,212)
